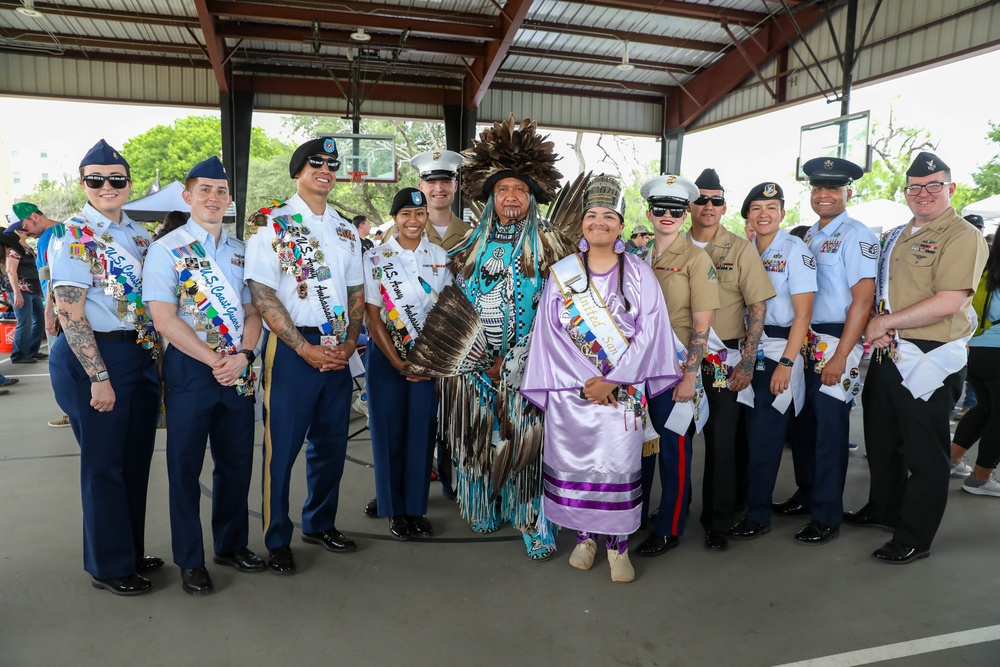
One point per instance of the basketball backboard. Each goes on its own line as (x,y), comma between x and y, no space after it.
(844,137)
(367,158)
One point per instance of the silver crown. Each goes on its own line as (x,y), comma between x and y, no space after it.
(607,191)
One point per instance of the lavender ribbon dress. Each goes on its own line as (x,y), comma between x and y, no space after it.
(592,453)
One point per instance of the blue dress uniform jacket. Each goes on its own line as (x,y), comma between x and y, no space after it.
(300,402)
(116,447)
(199,409)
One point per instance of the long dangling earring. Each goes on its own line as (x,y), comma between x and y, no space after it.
(619,245)
(583,245)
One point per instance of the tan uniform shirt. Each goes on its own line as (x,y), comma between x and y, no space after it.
(742,280)
(946,254)
(457,229)
(689,283)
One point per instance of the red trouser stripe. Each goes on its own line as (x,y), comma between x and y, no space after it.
(681,479)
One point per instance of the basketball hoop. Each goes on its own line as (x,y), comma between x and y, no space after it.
(358,182)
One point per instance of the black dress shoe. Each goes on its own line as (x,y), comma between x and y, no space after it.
(23,360)
(243,560)
(371,509)
(399,527)
(196,581)
(863,518)
(748,529)
(149,563)
(716,539)
(39,355)
(281,560)
(815,532)
(419,525)
(331,540)
(789,508)
(656,545)
(897,553)
(133,584)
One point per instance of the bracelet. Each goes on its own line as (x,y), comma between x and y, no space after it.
(103,376)
(249,354)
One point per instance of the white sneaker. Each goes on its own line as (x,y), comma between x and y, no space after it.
(960,468)
(582,557)
(361,406)
(991,487)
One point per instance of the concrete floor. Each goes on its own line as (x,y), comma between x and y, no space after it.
(458,599)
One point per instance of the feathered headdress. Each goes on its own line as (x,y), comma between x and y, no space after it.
(606,191)
(511,150)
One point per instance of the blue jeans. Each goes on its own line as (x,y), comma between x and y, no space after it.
(30,326)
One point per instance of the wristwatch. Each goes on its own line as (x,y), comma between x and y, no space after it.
(103,376)
(250,354)
(785,361)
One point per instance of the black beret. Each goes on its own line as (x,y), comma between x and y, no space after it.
(407,198)
(975,220)
(762,191)
(833,171)
(320,146)
(708,180)
(926,164)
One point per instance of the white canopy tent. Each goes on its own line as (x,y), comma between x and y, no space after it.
(880,214)
(989,208)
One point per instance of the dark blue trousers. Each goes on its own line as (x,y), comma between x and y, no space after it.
(766,430)
(675,470)
(302,403)
(116,448)
(819,452)
(199,409)
(402,415)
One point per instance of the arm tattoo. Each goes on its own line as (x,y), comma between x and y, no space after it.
(272,311)
(77,329)
(355,310)
(756,312)
(696,350)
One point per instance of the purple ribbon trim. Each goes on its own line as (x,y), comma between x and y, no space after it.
(593,486)
(593,504)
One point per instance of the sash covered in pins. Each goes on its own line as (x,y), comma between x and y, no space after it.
(922,373)
(210,300)
(400,294)
(117,271)
(301,256)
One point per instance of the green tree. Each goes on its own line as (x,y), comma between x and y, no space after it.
(58,200)
(173,149)
(894,146)
(987,176)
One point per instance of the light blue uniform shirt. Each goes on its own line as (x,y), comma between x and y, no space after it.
(100,309)
(42,259)
(792,270)
(161,279)
(990,337)
(846,251)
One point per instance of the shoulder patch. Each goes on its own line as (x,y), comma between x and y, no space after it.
(869,250)
(809,261)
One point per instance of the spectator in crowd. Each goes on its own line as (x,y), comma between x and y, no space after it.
(170,222)
(25,292)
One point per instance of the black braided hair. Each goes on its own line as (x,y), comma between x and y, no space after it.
(586,269)
(621,280)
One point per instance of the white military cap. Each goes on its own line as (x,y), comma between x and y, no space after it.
(437,165)
(669,189)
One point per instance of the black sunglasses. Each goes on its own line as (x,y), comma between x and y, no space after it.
(317,162)
(716,201)
(660,211)
(96,181)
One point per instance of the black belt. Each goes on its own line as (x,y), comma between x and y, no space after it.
(131,336)
(925,346)
(777,332)
(732,343)
(830,329)
(310,331)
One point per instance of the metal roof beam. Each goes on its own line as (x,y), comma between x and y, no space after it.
(308,87)
(688,10)
(483,71)
(575,92)
(613,84)
(729,71)
(353,19)
(625,35)
(59,40)
(215,47)
(50,9)
(304,35)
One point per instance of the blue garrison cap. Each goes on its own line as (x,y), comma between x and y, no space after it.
(103,154)
(833,171)
(210,168)
(763,191)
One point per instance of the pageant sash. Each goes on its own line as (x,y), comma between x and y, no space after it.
(586,317)
(882,306)
(696,409)
(401,297)
(923,373)
(207,295)
(850,380)
(774,349)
